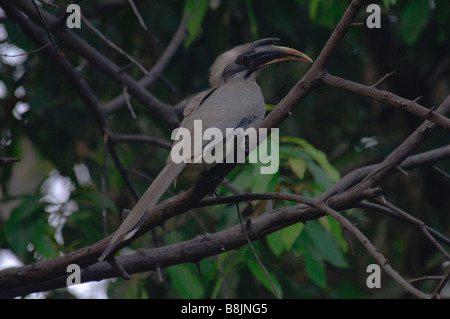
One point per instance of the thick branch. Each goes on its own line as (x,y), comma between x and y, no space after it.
(52,273)
(393,160)
(37,277)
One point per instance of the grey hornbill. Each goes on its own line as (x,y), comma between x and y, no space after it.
(234,100)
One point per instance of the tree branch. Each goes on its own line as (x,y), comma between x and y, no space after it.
(113,45)
(388,212)
(71,40)
(344,194)
(417,138)
(382,261)
(387,98)
(418,223)
(49,34)
(52,274)
(137,14)
(156,70)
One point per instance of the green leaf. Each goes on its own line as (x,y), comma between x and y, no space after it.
(317,164)
(313,7)
(317,155)
(316,271)
(270,107)
(336,230)
(26,209)
(290,234)
(262,182)
(413,21)
(326,245)
(319,175)
(276,243)
(43,241)
(94,199)
(292,151)
(387,3)
(298,166)
(136,291)
(268,157)
(243,180)
(87,228)
(185,282)
(284,239)
(261,276)
(331,225)
(197,10)
(21,226)
(326,13)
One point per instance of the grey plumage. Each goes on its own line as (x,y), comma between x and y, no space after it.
(234,100)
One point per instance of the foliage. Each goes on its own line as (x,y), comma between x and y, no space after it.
(319,143)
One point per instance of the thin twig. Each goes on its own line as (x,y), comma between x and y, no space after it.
(275,291)
(134,138)
(120,168)
(69,39)
(440,171)
(113,45)
(382,261)
(383,78)
(157,69)
(387,98)
(128,102)
(441,284)
(401,170)
(414,280)
(160,274)
(231,187)
(388,212)
(417,99)
(419,224)
(396,157)
(103,182)
(48,3)
(49,34)
(118,268)
(140,174)
(192,196)
(138,15)
(26,53)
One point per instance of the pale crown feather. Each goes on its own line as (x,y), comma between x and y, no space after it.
(226,59)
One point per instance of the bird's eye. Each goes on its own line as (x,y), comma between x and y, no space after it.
(243,59)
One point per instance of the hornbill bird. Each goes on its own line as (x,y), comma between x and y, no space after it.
(234,100)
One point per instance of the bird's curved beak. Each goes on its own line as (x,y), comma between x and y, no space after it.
(270,54)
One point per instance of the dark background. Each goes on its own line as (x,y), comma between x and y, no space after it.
(57,132)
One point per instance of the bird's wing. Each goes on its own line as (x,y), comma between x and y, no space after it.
(231,105)
(196,101)
(227,106)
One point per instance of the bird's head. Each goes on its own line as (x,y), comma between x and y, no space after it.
(243,62)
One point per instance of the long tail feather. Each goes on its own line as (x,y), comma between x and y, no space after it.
(135,219)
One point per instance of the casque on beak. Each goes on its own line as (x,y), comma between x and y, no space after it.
(268,54)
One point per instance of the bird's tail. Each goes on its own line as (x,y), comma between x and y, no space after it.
(137,216)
